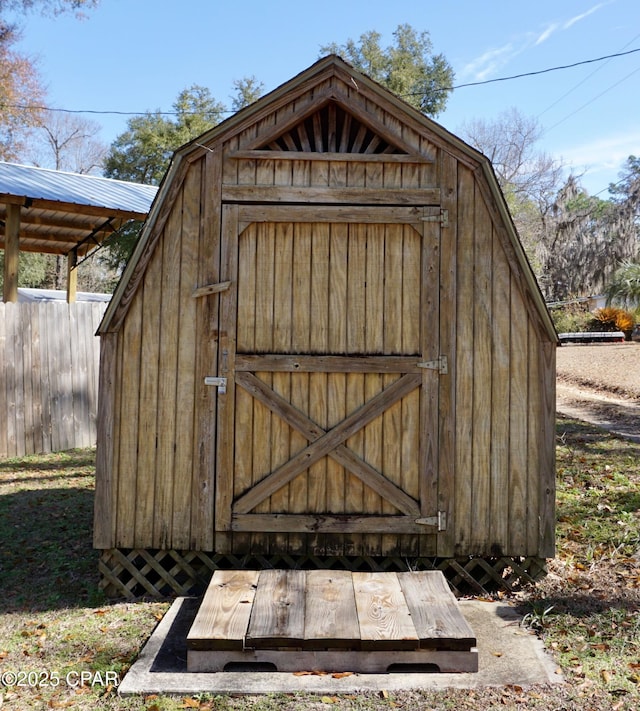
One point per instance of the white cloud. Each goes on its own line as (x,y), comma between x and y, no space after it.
(577,18)
(546,33)
(488,62)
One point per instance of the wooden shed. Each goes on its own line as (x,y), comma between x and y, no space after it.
(328,349)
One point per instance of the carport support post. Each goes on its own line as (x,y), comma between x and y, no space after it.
(11,253)
(72,276)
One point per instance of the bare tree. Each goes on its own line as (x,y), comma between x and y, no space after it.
(529,178)
(67,142)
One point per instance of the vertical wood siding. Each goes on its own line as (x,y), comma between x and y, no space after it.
(48,376)
(308,288)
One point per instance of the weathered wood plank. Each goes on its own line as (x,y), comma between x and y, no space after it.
(264,322)
(128,427)
(328,523)
(277,618)
(223,617)
(435,612)
(331,156)
(376,500)
(301,327)
(336,382)
(392,336)
(384,618)
(448,318)
(207,328)
(331,618)
(4,391)
(27,372)
(356,317)
(186,359)
(534,426)
(45,379)
(168,373)
(328,363)
(225,468)
(336,660)
(547,474)
(464,363)
(500,405)
(317,493)
(334,213)
(149,294)
(282,316)
(518,431)
(11,311)
(104,507)
(210,289)
(482,375)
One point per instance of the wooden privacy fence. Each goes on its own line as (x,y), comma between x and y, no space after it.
(49,359)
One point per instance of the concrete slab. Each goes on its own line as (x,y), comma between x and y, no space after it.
(508,654)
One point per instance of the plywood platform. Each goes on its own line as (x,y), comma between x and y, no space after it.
(296,620)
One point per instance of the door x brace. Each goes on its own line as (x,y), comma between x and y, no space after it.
(327,442)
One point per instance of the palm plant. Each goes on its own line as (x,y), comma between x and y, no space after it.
(624,288)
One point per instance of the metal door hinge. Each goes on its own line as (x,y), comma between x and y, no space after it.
(442,218)
(439,521)
(220,383)
(441,364)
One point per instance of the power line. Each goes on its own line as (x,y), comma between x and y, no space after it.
(602,93)
(543,71)
(28,107)
(583,81)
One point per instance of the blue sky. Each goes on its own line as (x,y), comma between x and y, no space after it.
(137,55)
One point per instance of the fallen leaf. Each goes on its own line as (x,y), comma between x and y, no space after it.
(341,675)
(606,676)
(55,704)
(190,704)
(384,694)
(329,700)
(497,654)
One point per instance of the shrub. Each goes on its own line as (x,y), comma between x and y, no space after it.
(572,318)
(613,319)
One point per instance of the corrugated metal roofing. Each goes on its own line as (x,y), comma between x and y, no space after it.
(44,184)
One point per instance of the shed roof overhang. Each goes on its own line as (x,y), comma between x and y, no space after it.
(59,213)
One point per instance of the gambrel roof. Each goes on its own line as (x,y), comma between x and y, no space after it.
(330,123)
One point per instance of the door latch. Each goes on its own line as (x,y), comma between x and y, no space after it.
(220,383)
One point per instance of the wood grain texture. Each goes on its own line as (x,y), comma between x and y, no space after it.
(331,618)
(277,618)
(224,613)
(384,618)
(434,612)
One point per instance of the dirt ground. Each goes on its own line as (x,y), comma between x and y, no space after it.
(601,384)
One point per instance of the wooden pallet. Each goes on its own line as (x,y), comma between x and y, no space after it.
(330,620)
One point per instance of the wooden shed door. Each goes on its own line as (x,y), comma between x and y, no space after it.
(329,422)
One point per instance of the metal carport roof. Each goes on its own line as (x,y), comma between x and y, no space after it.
(61,213)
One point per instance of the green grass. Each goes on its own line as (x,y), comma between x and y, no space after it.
(54,619)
